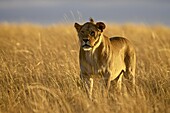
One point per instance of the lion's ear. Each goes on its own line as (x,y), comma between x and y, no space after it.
(101,26)
(77,26)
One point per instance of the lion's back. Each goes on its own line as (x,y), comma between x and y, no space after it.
(118,39)
(119,42)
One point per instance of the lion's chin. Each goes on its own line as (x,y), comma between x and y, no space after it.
(87,49)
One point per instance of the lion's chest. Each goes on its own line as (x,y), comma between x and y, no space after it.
(93,65)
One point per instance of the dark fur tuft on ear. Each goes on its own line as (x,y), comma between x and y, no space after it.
(101,26)
(77,26)
(91,20)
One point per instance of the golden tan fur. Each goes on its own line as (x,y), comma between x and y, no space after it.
(99,55)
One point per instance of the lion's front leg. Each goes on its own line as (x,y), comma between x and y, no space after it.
(91,88)
(88,83)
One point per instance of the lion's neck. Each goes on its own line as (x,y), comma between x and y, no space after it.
(97,44)
(103,46)
(97,58)
(101,51)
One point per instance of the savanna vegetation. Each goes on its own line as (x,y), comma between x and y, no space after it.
(39,71)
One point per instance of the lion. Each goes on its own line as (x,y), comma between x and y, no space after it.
(112,58)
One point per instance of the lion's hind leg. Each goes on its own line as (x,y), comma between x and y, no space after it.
(130,62)
(119,81)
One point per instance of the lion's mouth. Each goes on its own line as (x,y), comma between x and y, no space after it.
(87,47)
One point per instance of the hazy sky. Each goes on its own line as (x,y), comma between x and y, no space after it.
(54,11)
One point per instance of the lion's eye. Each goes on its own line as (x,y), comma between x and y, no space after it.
(92,33)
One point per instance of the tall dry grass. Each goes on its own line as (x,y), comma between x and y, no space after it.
(39,71)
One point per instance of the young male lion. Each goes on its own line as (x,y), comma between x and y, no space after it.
(99,55)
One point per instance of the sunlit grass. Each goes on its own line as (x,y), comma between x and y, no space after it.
(39,71)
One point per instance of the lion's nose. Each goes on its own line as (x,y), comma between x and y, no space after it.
(85,40)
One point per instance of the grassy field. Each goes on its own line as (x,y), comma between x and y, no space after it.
(39,71)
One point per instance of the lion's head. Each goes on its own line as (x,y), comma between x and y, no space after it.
(90,34)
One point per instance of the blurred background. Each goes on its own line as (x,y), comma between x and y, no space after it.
(65,11)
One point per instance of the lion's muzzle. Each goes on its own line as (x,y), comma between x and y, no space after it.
(86,45)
